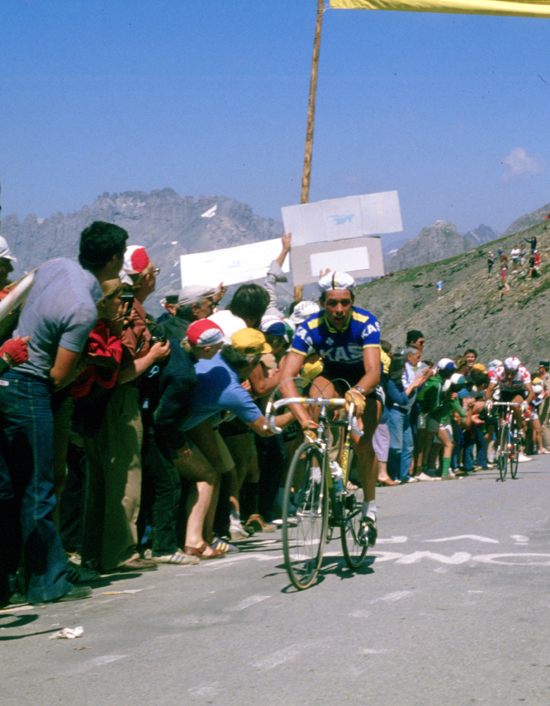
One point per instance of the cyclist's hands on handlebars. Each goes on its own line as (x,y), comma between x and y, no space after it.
(524,407)
(489,406)
(309,429)
(354,397)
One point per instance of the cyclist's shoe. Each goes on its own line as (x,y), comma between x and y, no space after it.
(522,457)
(368,532)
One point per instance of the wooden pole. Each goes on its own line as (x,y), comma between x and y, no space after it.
(311,108)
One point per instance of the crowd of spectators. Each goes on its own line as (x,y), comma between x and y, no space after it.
(437,425)
(520,262)
(128,442)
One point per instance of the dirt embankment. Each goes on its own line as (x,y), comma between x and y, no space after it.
(468,314)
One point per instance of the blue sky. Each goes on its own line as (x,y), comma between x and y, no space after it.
(210,97)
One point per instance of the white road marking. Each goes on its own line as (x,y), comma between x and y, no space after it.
(520,538)
(247,602)
(371,651)
(393,540)
(360,614)
(393,597)
(415,557)
(98,662)
(207,689)
(494,559)
(474,537)
(282,656)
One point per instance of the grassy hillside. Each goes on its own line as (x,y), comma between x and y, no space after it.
(468,314)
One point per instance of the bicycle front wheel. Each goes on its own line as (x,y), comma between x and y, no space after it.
(503,450)
(354,552)
(305,515)
(514,453)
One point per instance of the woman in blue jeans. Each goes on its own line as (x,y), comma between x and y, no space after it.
(400,397)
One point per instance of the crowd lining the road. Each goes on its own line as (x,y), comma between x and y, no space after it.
(127,442)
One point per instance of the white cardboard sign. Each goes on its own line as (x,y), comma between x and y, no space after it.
(340,219)
(242,263)
(360,257)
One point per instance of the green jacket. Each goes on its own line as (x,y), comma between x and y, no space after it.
(434,402)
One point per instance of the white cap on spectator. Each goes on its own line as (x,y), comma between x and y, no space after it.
(5,251)
(446,364)
(494,364)
(190,294)
(302,311)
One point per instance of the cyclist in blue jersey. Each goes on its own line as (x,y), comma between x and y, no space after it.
(347,339)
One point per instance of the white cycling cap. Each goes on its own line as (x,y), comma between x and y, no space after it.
(336,280)
(512,363)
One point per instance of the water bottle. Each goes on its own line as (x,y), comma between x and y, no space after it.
(337,476)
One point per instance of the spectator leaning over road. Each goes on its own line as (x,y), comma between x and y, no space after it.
(176,382)
(219,389)
(59,314)
(246,309)
(436,402)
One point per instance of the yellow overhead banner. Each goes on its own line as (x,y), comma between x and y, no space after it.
(519,8)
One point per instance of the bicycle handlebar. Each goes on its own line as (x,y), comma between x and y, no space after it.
(506,404)
(272,407)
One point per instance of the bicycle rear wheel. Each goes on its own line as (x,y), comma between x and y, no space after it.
(305,515)
(354,552)
(503,450)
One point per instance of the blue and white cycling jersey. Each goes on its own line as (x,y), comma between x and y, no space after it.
(341,351)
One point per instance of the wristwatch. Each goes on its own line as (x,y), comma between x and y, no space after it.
(360,389)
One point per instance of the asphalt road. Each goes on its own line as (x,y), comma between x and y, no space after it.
(452,607)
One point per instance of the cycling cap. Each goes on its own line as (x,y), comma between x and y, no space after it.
(446,364)
(537,389)
(273,326)
(5,251)
(336,280)
(511,363)
(135,261)
(203,333)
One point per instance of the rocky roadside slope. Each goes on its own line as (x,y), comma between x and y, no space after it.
(468,313)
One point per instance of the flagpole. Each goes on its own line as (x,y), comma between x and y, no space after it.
(311,108)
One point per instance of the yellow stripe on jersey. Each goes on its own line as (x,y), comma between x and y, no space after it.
(362,318)
(314,323)
(293,350)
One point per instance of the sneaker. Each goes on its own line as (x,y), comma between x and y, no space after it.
(424,476)
(368,532)
(178,557)
(237,531)
(450,476)
(222,546)
(411,479)
(81,574)
(522,457)
(75,594)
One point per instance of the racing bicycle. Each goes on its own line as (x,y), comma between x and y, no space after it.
(509,435)
(316,498)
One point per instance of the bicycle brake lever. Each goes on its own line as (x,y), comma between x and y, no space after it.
(273,427)
(355,429)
